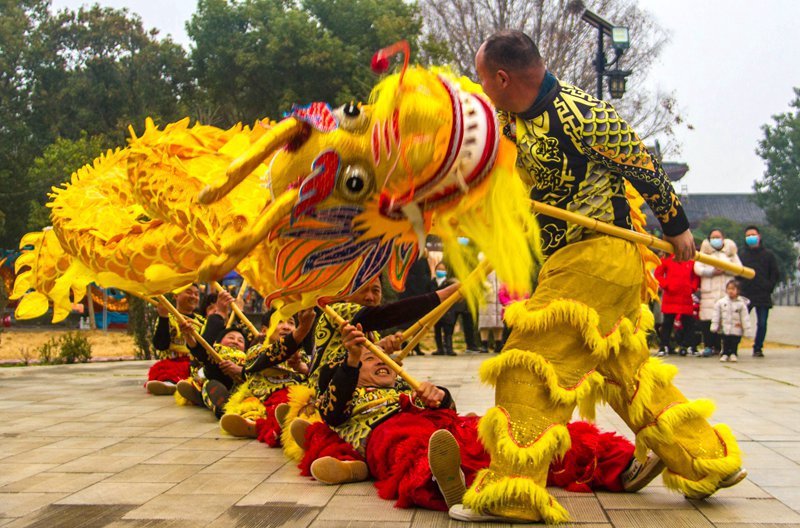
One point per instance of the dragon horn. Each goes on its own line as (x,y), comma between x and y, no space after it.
(276,137)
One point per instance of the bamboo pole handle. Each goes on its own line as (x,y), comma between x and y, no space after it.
(383,356)
(180,318)
(639,238)
(154,303)
(238,311)
(239,297)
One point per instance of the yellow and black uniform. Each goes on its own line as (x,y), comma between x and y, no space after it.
(576,152)
(352,411)
(582,335)
(168,339)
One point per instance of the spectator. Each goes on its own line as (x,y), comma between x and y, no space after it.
(443,330)
(758,290)
(678,282)
(712,284)
(418,282)
(731,320)
(490,316)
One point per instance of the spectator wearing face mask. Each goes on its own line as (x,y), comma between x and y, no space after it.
(712,284)
(759,289)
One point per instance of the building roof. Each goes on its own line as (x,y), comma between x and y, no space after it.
(739,207)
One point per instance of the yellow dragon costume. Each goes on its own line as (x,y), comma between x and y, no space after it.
(324,200)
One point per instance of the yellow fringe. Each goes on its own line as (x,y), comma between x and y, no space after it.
(586,394)
(301,399)
(180,400)
(496,434)
(652,373)
(714,469)
(663,430)
(586,321)
(495,496)
(243,403)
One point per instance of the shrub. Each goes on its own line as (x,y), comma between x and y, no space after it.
(142,319)
(75,348)
(49,352)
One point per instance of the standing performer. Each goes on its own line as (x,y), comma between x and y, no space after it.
(584,329)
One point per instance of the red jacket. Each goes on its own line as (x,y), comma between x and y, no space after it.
(678,281)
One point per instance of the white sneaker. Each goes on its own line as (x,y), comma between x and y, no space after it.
(661,353)
(723,358)
(638,475)
(460,512)
(733,358)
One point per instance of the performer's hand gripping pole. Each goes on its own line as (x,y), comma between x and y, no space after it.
(383,356)
(238,311)
(639,238)
(155,304)
(414,334)
(179,317)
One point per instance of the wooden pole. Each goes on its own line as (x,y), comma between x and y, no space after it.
(239,297)
(242,317)
(383,356)
(639,238)
(179,317)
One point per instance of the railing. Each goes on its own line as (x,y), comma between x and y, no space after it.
(787,293)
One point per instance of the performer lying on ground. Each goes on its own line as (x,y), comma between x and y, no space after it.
(170,345)
(270,369)
(421,452)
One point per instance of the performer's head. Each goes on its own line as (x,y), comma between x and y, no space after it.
(371,294)
(510,70)
(284,328)
(187,300)
(374,372)
(233,338)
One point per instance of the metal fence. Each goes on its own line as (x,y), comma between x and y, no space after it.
(787,294)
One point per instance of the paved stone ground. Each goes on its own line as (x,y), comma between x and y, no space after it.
(85,446)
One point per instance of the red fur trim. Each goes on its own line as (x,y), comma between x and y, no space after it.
(321,441)
(397,455)
(595,460)
(268,429)
(172,370)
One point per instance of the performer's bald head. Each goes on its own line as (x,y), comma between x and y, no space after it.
(510,69)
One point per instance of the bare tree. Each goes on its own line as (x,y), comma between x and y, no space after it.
(566,42)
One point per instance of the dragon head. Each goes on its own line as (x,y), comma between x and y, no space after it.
(357,188)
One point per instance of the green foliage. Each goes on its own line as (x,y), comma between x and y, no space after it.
(49,352)
(141,321)
(75,348)
(254,59)
(779,191)
(71,76)
(71,347)
(773,239)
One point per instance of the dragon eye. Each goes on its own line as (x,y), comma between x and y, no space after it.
(352,117)
(356,183)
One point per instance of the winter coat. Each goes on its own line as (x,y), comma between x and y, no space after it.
(731,316)
(449,318)
(759,288)
(712,287)
(678,281)
(490,314)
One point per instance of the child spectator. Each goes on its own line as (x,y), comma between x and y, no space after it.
(732,320)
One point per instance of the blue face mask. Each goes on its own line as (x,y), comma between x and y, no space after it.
(441,274)
(751,240)
(716,243)
(463,241)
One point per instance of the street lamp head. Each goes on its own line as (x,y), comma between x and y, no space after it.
(617,82)
(620,38)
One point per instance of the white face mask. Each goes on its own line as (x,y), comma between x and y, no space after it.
(716,243)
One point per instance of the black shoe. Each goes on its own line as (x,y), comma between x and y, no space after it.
(682,352)
(438,353)
(484,347)
(758,353)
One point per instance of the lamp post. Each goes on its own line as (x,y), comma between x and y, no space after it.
(620,41)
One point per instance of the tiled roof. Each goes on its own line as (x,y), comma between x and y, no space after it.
(740,207)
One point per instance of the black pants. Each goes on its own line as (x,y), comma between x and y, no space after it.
(443,333)
(684,338)
(730,344)
(710,339)
(468,325)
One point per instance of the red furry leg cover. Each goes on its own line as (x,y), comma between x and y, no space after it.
(321,441)
(268,429)
(397,454)
(172,370)
(595,460)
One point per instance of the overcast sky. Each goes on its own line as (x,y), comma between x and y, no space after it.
(732,64)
